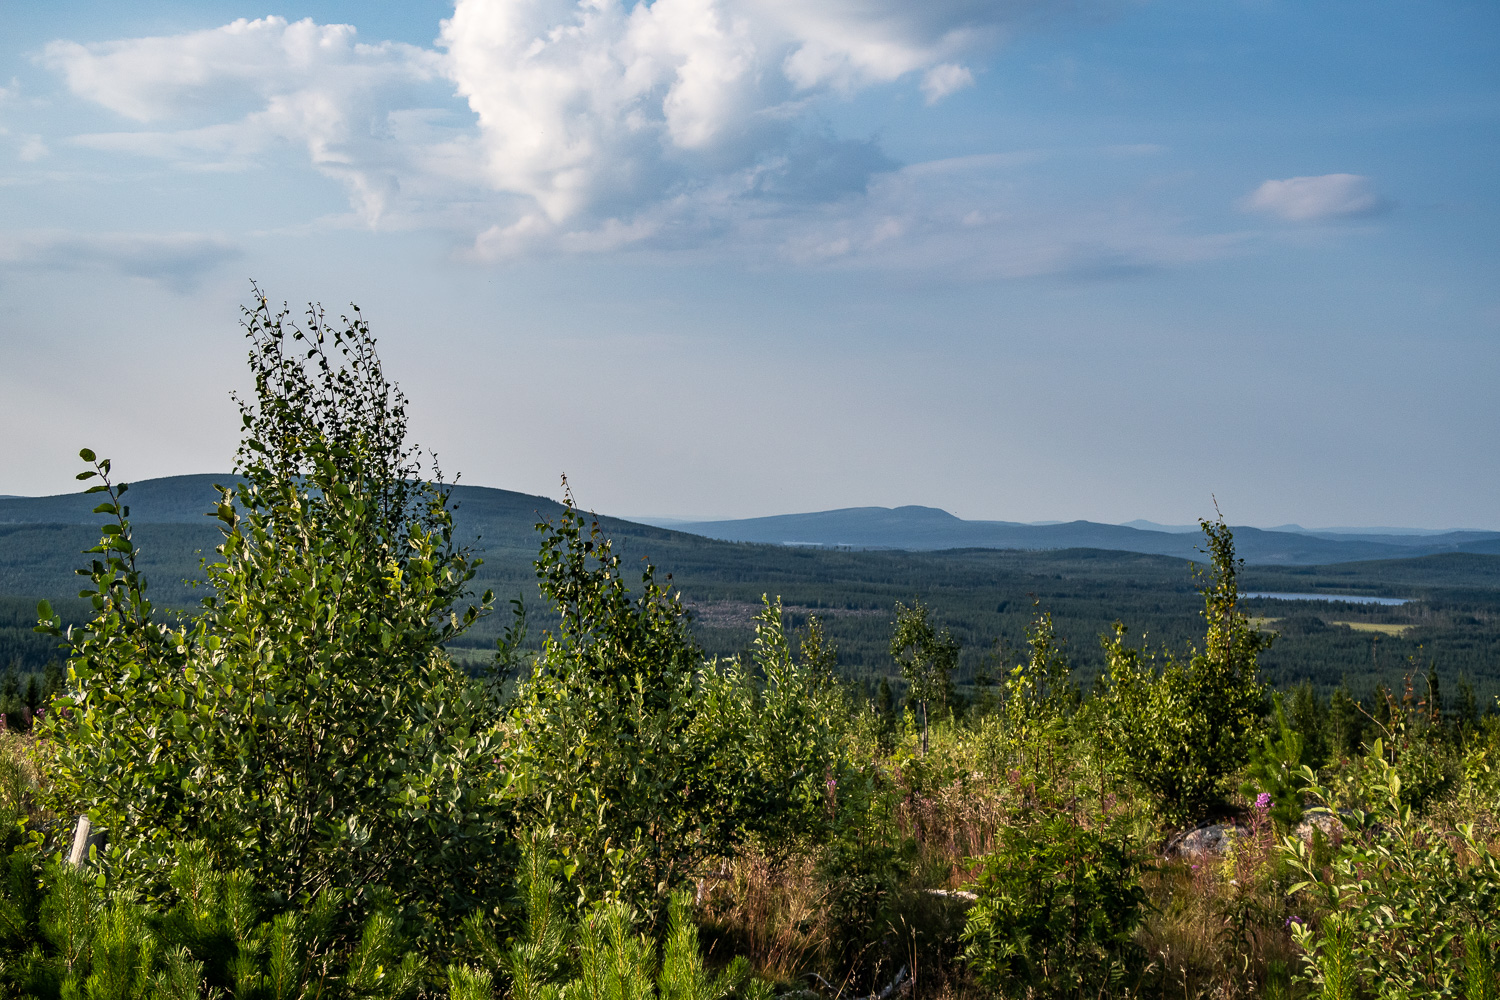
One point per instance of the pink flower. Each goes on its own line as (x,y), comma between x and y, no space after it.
(1263,801)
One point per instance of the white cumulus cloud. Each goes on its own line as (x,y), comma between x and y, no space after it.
(590,114)
(229,95)
(591,108)
(177,260)
(1310,199)
(592,126)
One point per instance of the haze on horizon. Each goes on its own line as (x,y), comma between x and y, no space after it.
(1040,261)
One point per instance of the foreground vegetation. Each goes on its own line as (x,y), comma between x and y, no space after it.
(304,796)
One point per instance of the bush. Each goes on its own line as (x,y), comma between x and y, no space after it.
(66,937)
(1184,730)
(1276,768)
(646,764)
(1057,912)
(306,725)
(1408,908)
(602,956)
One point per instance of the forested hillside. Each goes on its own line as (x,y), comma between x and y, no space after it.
(927,528)
(985,596)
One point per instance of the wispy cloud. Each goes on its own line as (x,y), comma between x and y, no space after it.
(944,79)
(32,149)
(967,218)
(176,260)
(1314,199)
(994,216)
(231,95)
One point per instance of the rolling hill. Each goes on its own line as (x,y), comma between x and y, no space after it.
(929,528)
(1088,575)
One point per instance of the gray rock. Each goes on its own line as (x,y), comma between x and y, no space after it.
(1214,840)
(1320,819)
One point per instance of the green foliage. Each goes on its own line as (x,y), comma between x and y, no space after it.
(784,719)
(66,936)
(1308,715)
(1057,912)
(1332,967)
(600,957)
(1348,725)
(862,867)
(1034,738)
(1276,769)
(926,655)
(305,725)
(1418,745)
(606,753)
(643,761)
(1183,730)
(1041,690)
(539,953)
(1481,980)
(1399,895)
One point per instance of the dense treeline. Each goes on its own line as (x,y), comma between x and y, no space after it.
(985,597)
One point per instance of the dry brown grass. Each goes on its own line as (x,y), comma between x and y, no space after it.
(1219,921)
(949,826)
(21,770)
(1214,928)
(773,913)
(1382,628)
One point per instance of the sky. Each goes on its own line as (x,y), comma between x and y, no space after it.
(1017,259)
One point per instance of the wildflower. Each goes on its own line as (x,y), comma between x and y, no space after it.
(1263,801)
(1293,920)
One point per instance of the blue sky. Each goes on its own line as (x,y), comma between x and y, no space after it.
(1046,259)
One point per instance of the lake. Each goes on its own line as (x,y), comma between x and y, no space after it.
(1350,598)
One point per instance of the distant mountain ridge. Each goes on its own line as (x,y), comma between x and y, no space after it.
(506,518)
(927,528)
(502,517)
(168,500)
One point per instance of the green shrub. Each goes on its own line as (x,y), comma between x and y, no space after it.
(601,956)
(1184,730)
(1397,895)
(1057,912)
(861,871)
(1276,769)
(66,937)
(306,725)
(645,763)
